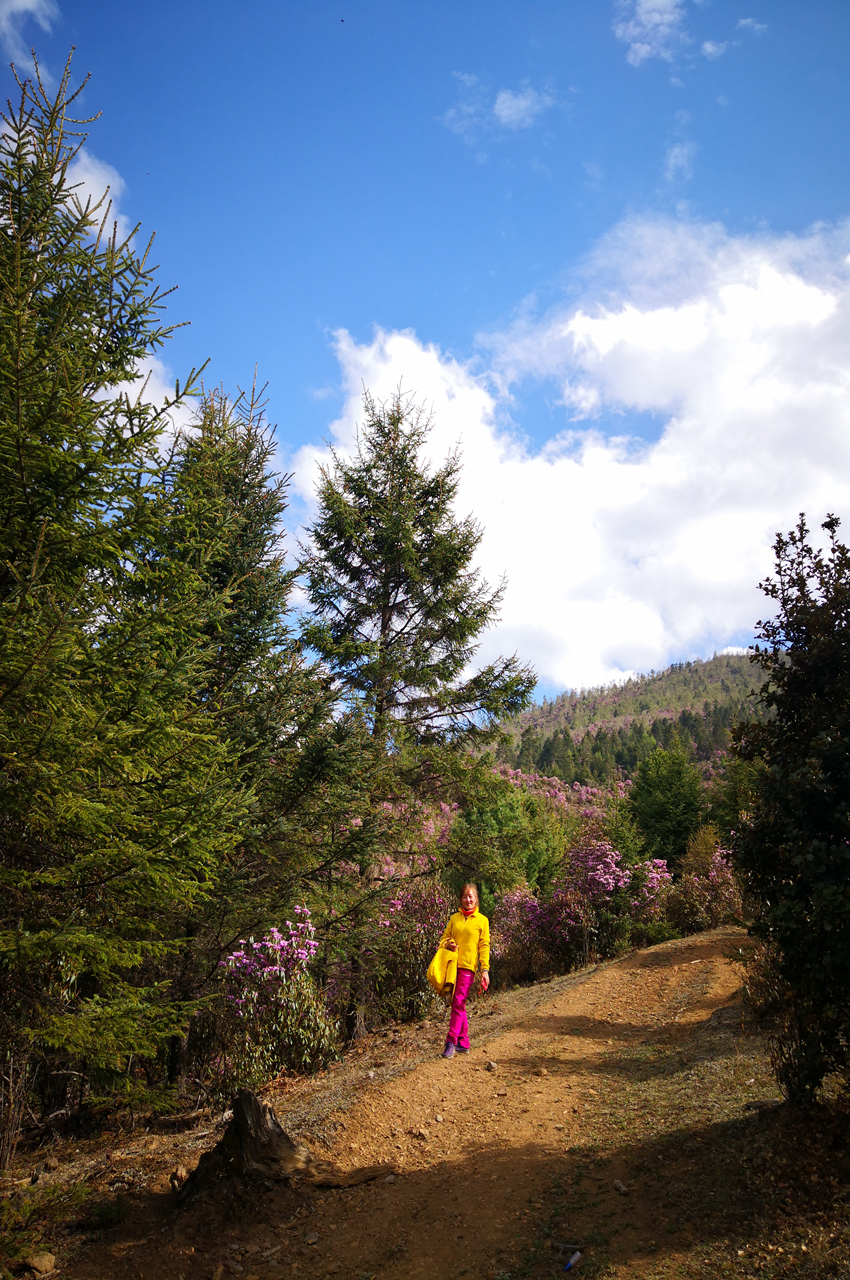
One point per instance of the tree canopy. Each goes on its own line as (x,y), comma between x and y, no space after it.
(397,604)
(667,802)
(793,848)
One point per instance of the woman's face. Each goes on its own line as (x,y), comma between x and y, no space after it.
(467,898)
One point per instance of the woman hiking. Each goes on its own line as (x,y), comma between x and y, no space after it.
(467,933)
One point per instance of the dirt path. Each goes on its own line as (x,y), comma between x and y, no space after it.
(627,1074)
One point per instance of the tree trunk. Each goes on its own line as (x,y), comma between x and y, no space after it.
(255,1146)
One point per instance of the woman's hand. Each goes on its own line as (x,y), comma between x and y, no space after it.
(485,980)
(451,945)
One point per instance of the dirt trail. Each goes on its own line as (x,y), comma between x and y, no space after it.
(601,1078)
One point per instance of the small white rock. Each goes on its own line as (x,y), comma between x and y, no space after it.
(41,1263)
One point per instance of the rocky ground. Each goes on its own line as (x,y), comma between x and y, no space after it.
(625,1112)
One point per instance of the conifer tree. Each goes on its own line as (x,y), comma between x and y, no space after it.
(397,605)
(668,802)
(116,797)
(303,772)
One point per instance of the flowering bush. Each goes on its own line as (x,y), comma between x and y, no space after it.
(706,896)
(406,939)
(583,913)
(517,950)
(649,890)
(648,896)
(274,1016)
(393,951)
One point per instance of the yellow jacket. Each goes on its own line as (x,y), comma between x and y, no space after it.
(472,935)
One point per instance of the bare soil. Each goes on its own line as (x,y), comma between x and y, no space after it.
(631,1115)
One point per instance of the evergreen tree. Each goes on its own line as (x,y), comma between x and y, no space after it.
(302,770)
(116,800)
(668,802)
(397,607)
(793,844)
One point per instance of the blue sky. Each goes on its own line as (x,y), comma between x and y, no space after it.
(606,241)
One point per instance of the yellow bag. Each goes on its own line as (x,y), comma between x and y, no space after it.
(443,970)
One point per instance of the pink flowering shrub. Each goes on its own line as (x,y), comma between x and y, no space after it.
(255,971)
(517,949)
(649,890)
(383,964)
(705,896)
(583,913)
(649,894)
(274,1016)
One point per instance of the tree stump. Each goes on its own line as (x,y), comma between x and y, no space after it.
(255,1146)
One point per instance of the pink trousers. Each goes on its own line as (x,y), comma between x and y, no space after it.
(459,1023)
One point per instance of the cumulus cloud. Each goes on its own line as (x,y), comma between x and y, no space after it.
(651,29)
(14,15)
(623,554)
(478,113)
(94,179)
(750,24)
(713,49)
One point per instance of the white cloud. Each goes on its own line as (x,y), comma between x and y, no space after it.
(750,24)
(621,554)
(712,49)
(479,113)
(467,118)
(677,161)
(93,178)
(14,15)
(520,110)
(651,29)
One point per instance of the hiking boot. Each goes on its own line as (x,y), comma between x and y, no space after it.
(449,1051)
(461,1049)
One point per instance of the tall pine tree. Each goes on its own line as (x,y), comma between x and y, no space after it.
(397,605)
(116,797)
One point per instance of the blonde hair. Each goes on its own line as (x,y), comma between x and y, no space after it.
(474,888)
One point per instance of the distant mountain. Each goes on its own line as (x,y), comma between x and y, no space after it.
(599,734)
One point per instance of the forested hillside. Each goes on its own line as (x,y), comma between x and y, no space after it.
(594,735)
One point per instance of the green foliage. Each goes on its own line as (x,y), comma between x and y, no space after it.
(667,803)
(292,1031)
(115,795)
(620,829)
(397,607)
(505,835)
(706,893)
(793,850)
(731,794)
(302,774)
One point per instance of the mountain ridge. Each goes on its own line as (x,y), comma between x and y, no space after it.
(599,733)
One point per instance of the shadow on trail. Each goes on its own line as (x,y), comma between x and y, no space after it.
(711,1193)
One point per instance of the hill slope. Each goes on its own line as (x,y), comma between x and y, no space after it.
(597,734)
